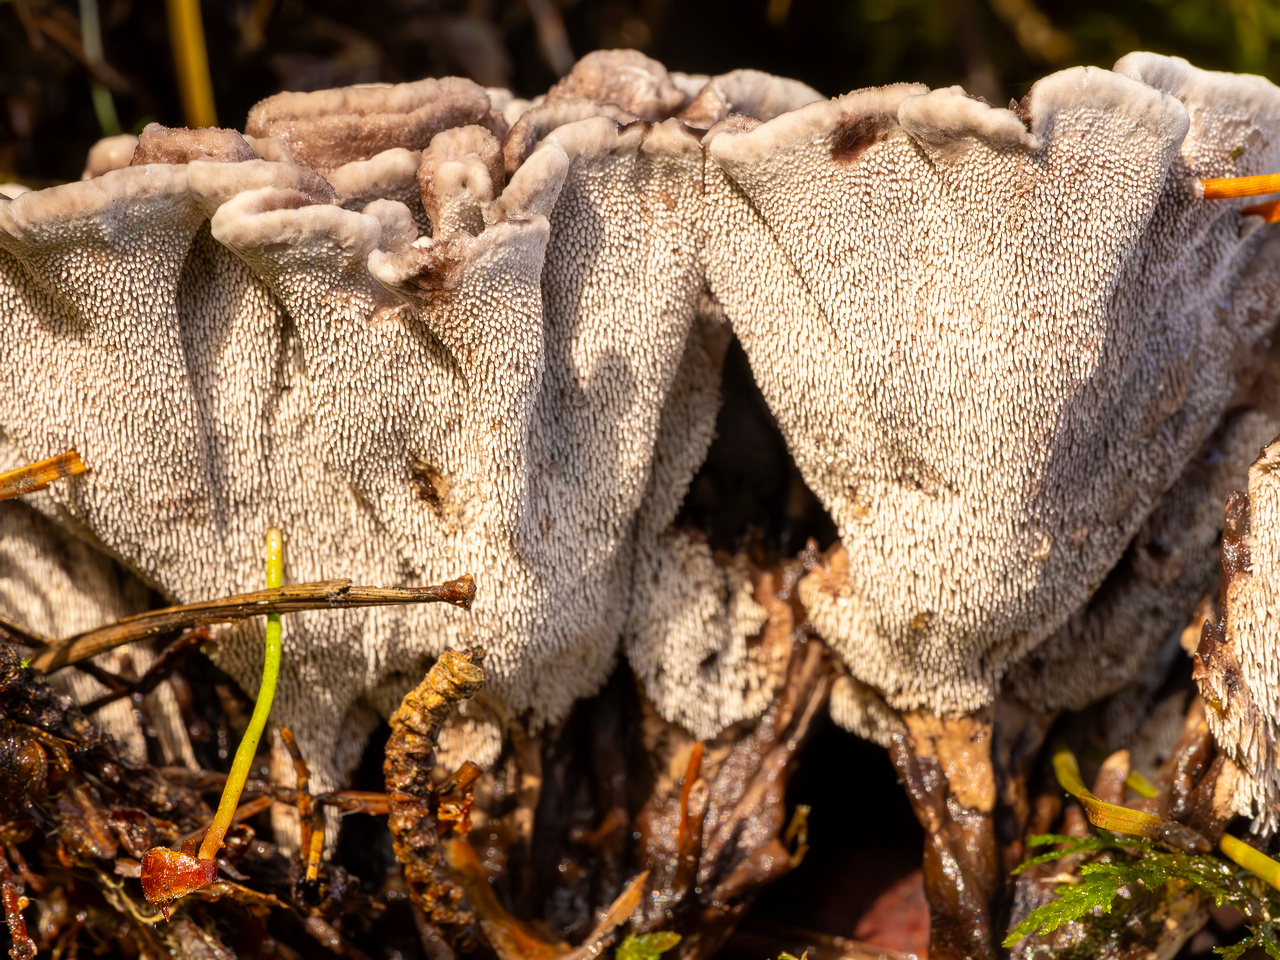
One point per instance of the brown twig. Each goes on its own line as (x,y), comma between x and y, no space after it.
(686,791)
(67,38)
(250,808)
(357,801)
(325,595)
(13,632)
(37,476)
(155,674)
(553,38)
(348,801)
(303,796)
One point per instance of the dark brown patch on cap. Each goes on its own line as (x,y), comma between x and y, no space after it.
(315,187)
(429,274)
(1213,655)
(1022,110)
(429,484)
(161,144)
(857,134)
(1235,541)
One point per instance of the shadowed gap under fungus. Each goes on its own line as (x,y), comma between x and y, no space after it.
(748,492)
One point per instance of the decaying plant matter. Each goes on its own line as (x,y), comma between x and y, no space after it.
(416,818)
(1016,354)
(1174,879)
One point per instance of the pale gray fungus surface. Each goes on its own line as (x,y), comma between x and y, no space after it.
(1025,323)
(431,329)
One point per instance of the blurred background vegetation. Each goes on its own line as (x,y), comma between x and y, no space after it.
(70,68)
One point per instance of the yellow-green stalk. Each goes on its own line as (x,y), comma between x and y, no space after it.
(191,60)
(1109,816)
(1252,859)
(248,748)
(1136,823)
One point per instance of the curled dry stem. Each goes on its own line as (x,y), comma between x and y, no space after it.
(410,760)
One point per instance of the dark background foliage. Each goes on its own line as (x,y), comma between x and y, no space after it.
(995,48)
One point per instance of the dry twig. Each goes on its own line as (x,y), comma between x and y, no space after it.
(324,595)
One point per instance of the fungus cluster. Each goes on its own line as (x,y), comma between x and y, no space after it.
(429,329)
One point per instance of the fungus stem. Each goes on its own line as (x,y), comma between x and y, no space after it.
(1227,187)
(257,723)
(1108,816)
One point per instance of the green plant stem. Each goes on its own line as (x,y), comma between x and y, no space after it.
(1141,785)
(1135,823)
(248,748)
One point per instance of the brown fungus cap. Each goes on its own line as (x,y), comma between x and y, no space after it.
(160,144)
(538,121)
(748,92)
(109,153)
(625,78)
(460,174)
(328,128)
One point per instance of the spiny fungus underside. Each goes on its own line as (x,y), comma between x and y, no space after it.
(434,328)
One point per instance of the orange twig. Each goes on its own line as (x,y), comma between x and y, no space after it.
(303,795)
(1269,212)
(37,476)
(690,777)
(1227,187)
(191,60)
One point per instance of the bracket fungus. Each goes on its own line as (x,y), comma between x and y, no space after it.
(429,328)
